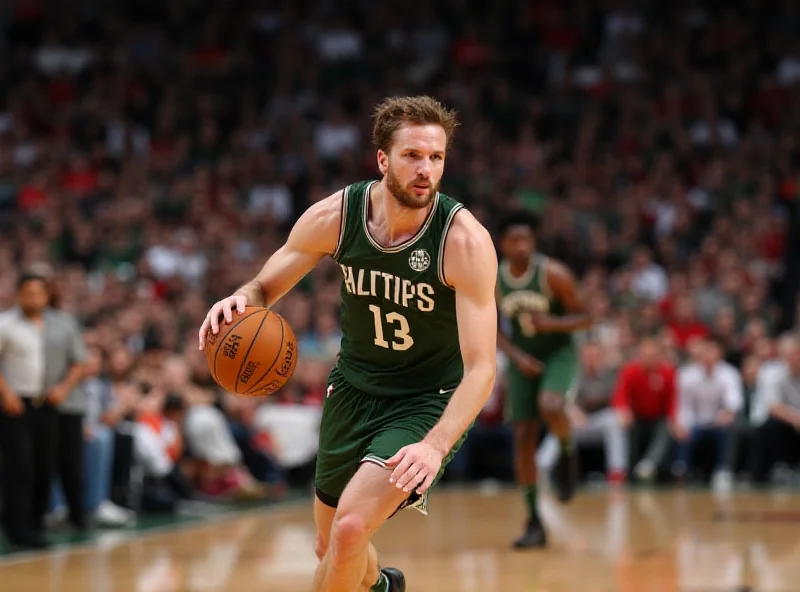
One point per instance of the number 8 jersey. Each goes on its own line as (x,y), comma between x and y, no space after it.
(521,298)
(399,329)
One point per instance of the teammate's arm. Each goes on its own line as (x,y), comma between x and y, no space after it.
(527,364)
(314,235)
(563,285)
(470,267)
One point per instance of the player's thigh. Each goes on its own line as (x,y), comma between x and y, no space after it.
(522,398)
(323,519)
(558,380)
(367,502)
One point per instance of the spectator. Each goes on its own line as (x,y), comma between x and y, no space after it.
(709,397)
(684,325)
(778,438)
(592,418)
(644,397)
(41,366)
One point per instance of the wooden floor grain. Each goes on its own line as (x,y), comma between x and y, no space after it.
(628,542)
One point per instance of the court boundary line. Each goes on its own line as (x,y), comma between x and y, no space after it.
(129,535)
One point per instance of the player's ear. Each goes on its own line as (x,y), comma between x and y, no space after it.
(383,162)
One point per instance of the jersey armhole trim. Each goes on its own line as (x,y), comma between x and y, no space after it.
(337,253)
(544,283)
(445,232)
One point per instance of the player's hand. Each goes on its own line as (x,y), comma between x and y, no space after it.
(528,365)
(625,417)
(224,307)
(415,467)
(57,394)
(11,404)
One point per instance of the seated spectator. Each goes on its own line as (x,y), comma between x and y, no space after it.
(216,461)
(105,408)
(778,438)
(709,397)
(593,420)
(644,397)
(158,446)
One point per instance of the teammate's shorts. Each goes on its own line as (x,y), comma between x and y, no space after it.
(357,427)
(522,393)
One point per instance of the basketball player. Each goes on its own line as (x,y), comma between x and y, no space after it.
(538,296)
(419,322)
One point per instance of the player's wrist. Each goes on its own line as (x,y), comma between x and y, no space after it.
(436,443)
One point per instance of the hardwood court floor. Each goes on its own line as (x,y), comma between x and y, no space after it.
(641,541)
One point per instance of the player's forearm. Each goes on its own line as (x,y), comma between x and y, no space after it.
(465,405)
(567,324)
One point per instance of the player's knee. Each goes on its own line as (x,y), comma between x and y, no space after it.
(550,404)
(321,547)
(349,531)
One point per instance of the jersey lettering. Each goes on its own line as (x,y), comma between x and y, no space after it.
(402,292)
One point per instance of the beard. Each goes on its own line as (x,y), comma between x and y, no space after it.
(405,194)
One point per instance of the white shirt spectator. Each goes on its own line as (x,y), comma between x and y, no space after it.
(275,199)
(766,394)
(702,394)
(651,283)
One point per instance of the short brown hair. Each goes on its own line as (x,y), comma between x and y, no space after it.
(394,112)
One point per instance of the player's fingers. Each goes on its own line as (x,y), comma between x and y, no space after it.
(226,311)
(202,334)
(241,303)
(396,458)
(213,318)
(400,470)
(415,482)
(408,477)
(426,484)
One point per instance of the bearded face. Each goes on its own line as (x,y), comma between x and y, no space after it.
(414,165)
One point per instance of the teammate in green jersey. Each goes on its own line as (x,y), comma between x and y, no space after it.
(537,295)
(418,353)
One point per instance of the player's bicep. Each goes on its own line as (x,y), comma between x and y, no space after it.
(313,236)
(471,268)
(565,287)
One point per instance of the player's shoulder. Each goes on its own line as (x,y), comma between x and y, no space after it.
(556,267)
(469,250)
(466,232)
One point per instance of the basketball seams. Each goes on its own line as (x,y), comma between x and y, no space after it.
(218,349)
(252,343)
(275,361)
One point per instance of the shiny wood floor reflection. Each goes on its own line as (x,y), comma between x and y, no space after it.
(637,541)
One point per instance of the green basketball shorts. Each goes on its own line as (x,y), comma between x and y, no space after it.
(357,427)
(522,393)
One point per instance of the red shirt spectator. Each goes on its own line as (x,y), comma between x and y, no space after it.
(684,325)
(646,387)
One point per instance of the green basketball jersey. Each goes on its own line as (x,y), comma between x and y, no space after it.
(527,294)
(399,331)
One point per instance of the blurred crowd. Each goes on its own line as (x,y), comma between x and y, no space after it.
(154,154)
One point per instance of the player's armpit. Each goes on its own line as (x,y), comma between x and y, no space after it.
(470,267)
(313,236)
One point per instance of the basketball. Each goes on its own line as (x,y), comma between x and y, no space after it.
(254,355)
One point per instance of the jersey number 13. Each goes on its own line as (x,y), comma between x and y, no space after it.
(402,336)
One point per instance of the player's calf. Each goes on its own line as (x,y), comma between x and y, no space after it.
(565,472)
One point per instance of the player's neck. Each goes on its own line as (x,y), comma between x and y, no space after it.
(520,268)
(397,221)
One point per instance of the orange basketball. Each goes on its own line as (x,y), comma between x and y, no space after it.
(255,355)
